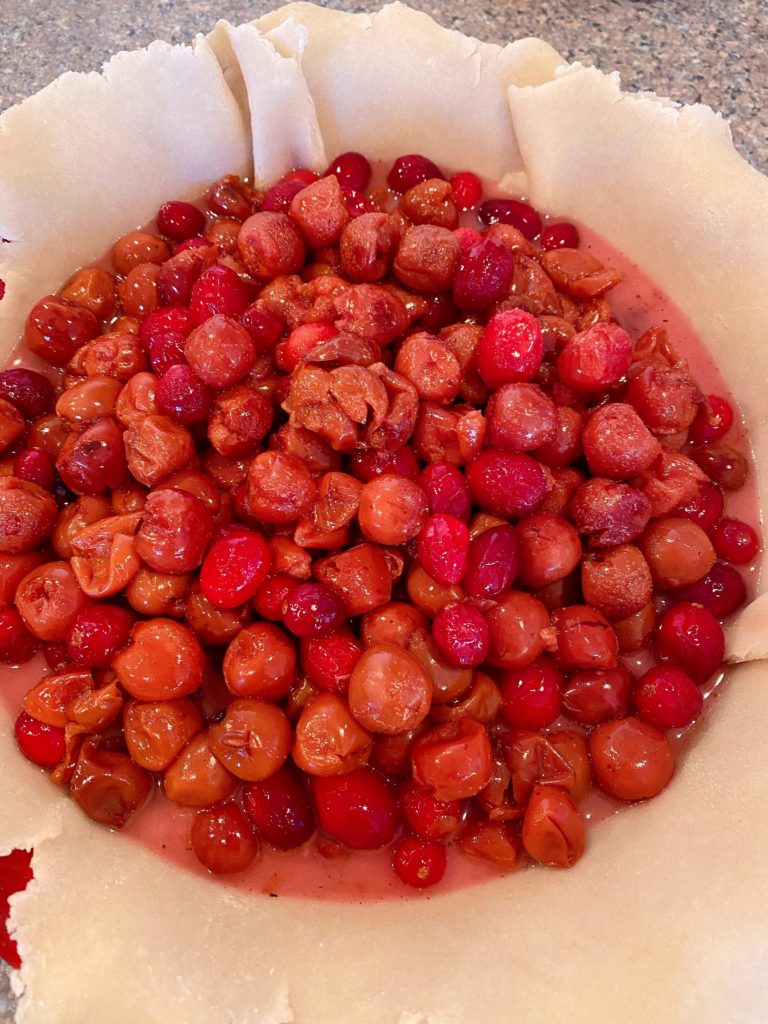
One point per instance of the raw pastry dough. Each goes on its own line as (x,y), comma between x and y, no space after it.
(665,919)
(92,156)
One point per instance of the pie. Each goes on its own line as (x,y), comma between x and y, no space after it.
(665,187)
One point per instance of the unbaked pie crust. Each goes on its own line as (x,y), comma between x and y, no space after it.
(666,919)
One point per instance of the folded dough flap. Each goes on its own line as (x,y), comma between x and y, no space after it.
(396,82)
(93,155)
(665,185)
(264,72)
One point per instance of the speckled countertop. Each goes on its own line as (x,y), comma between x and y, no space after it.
(712,51)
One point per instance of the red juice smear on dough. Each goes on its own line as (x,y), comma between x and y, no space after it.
(637,304)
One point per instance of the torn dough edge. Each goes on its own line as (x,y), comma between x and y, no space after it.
(523,961)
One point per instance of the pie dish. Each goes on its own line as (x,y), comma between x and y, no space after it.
(689,923)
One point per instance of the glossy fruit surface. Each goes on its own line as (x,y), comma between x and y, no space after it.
(351,511)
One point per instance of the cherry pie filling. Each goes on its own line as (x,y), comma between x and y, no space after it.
(347,517)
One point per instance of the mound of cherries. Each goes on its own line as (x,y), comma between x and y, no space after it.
(354,519)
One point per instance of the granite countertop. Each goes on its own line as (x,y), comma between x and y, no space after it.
(709,51)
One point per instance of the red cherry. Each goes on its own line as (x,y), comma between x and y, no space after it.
(691,638)
(667,698)
(511,348)
(370,463)
(234,568)
(461,635)
(492,563)
(36,466)
(560,236)
(171,320)
(512,211)
(179,220)
(429,817)
(356,203)
(28,390)
(532,696)
(218,290)
(484,275)
(41,743)
(98,633)
(443,547)
(56,654)
(408,171)
(223,840)
(594,359)
(594,695)
(419,863)
(713,420)
(359,808)
(167,350)
(302,175)
(446,489)
(507,484)
(264,326)
(198,242)
(55,329)
(440,312)
(278,198)
(280,809)
(182,396)
(722,591)
(329,661)
(467,190)
(352,169)
(312,609)
(269,599)
(735,542)
(17,644)
(706,508)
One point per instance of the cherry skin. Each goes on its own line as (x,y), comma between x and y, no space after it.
(179,220)
(443,548)
(532,696)
(359,808)
(223,840)
(17,644)
(234,568)
(312,609)
(419,862)
(429,817)
(408,171)
(735,542)
(461,635)
(280,809)
(28,390)
(36,466)
(352,169)
(329,661)
(41,743)
(667,698)
(467,190)
(560,236)
(512,211)
(722,591)
(270,597)
(713,420)
(98,633)
(691,638)
(511,348)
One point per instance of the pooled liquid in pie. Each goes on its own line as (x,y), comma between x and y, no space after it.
(330,871)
